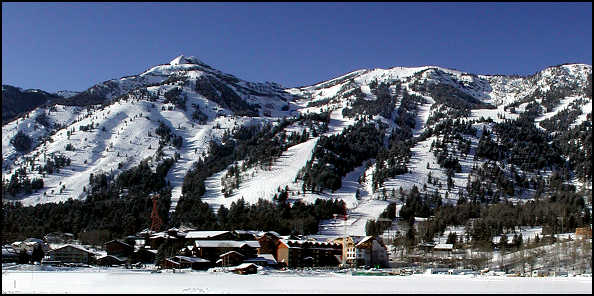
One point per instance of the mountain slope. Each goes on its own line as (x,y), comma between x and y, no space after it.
(443,131)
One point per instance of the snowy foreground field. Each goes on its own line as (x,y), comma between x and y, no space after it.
(125,281)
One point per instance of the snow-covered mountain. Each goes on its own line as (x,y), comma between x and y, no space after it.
(67,93)
(112,126)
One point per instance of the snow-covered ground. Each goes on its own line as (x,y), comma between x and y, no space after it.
(304,282)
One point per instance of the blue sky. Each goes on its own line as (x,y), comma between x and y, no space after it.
(56,46)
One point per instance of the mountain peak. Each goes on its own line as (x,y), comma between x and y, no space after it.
(185,60)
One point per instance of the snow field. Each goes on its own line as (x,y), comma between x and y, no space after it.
(112,282)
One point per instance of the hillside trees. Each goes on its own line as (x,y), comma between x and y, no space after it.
(336,155)
(489,220)
(114,206)
(254,145)
(21,142)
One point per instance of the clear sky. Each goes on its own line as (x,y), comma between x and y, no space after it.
(72,46)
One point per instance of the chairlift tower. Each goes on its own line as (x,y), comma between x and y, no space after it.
(156,221)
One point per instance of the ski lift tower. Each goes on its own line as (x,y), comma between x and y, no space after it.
(156,220)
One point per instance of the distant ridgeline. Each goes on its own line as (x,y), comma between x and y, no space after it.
(16,102)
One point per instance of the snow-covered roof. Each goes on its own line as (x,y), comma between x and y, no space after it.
(144,232)
(205,234)
(34,240)
(242,266)
(219,244)
(146,249)
(268,257)
(8,250)
(192,259)
(443,247)
(121,259)
(231,252)
(163,235)
(73,246)
(270,232)
(119,242)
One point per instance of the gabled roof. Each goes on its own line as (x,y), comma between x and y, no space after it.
(119,242)
(242,266)
(274,233)
(254,244)
(34,240)
(163,235)
(73,246)
(205,234)
(111,256)
(192,259)
(145,231)
(219,244)
(252,232)
(262,258)
(231,252)
(172,262)
(185,228)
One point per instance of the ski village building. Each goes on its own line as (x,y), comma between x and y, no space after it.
(364,251)
(72,254)
(233,248)
(201,250)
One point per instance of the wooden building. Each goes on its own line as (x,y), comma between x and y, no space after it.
(443,250)
(269,242)
(155,240)
(72,254)
(231,258)
(9,254)
(168,263)
(245,268)
(293,253)
(187,262)
(110,260)
(212,249)
(263,260)
(144,255)
(118,248)
(364,251)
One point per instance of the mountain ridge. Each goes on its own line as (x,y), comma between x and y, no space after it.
(117,124)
